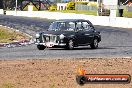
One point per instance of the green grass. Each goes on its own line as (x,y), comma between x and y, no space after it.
(127,14)
(7,36)
(8,85)
(52,86)
(78,12)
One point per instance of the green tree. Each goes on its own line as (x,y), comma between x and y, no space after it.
(53,7)
(70,6)
(1,4)
(7,4)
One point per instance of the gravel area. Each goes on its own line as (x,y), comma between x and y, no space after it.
(58,73)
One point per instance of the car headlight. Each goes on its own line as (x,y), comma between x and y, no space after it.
(62,36)
(37,35)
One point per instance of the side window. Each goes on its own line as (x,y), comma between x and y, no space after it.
(79,26)
(87,26)
(53,26)
(61,26)
(70,26)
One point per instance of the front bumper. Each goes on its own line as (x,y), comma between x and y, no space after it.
(51,44)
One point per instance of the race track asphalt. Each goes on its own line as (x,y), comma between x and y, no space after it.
(116,42)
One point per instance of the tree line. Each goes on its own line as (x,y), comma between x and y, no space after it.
(10,4)
(6,4)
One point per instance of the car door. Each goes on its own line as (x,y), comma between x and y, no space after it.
(89,31)
(80,33)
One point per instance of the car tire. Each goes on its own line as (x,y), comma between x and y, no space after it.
(41,47)
(70,45)
(94,44)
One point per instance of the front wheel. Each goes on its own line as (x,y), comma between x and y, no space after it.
(94,44)
(70,45)
(41,47)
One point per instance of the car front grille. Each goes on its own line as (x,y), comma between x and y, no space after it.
(50,38)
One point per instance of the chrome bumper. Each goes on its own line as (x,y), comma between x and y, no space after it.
(51,44)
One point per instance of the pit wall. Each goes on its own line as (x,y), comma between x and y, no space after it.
(96,20)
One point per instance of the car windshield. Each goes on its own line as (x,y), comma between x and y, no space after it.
(62,26)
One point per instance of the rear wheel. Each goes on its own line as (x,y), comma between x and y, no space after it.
(70,45)
(94,44)
(41,47)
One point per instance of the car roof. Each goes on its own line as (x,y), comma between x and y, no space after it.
(70,20)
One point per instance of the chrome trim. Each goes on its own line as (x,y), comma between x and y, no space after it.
(55,44)
(50,41)
(49,38)
(40,44)
(87,34)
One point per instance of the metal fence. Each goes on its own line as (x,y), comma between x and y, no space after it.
(85,7)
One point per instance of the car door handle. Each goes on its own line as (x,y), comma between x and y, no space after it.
(87,34)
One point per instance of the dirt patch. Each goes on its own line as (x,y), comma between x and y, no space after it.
(60,73)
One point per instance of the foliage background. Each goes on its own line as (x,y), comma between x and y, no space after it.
(6,4)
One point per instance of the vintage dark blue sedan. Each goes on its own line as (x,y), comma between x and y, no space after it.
(69,33)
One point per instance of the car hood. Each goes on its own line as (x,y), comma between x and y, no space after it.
(58,32)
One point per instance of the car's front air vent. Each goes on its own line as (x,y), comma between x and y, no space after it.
(50,38)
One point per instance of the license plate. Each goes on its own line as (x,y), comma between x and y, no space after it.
(49,44)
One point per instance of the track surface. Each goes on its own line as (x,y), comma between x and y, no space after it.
(116,42)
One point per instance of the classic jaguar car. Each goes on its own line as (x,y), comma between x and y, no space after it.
(68,33)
